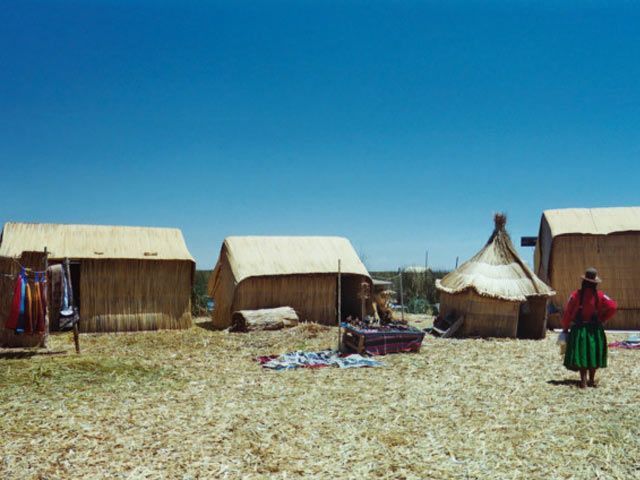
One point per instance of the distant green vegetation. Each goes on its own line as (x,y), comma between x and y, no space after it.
(199,296)
(419,289)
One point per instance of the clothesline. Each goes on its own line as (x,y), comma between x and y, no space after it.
(26,271)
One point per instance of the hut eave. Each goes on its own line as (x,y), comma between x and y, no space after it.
(507,296)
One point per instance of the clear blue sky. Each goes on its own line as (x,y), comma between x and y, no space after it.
(400,125)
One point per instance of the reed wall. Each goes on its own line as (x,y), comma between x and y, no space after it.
(313,297)
(115,295)
(616,256)
(483,317)
(134,295)
(221,287)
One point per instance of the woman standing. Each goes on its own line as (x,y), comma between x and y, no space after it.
(587,310)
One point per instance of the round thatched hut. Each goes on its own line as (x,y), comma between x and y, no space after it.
(496,292)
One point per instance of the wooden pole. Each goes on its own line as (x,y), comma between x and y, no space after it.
(339,306)
(401,294)
(76,333)
(45,337)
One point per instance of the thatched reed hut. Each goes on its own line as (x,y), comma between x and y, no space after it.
(300,272)
(573,239)
(496,292)
(124,278)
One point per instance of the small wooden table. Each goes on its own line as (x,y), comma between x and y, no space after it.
(382,340)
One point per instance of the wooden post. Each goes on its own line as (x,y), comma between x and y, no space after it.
(401,294)
(339,306)
(76,333)
(45,336)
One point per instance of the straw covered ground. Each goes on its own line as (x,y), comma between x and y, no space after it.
(192,404)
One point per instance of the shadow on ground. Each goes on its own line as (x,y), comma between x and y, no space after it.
(207,325)
(21,354)
(566,383)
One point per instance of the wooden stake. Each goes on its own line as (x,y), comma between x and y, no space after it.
(401,294)
(339,307)
(45,337)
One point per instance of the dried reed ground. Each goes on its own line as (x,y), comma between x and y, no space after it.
(192,405)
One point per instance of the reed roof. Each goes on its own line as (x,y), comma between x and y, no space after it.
(592,221)
(94,241)
(256,256)
(496,271)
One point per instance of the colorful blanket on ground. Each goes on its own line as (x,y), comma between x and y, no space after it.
(324,358)
(633,342)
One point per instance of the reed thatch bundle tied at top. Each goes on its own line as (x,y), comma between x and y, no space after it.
(490,288)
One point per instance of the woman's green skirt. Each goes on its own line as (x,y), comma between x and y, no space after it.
(586,347)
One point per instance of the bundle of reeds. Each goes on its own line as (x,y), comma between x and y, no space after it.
(264,319)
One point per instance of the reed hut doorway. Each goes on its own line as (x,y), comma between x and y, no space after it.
(74,272)
(532,318)
(351,301)
(75,269)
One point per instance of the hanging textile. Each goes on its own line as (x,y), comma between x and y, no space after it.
(66,309)
(43,299)
(28,310)
(14,314)
(38,307)
(23,302)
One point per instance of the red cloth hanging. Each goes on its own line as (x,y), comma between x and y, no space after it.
(36,306)
(14,314)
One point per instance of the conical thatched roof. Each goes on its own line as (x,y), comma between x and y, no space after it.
(496,271)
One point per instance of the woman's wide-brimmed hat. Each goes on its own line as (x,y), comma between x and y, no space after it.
(591,275)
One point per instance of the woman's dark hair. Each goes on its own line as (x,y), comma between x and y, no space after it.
(587,284)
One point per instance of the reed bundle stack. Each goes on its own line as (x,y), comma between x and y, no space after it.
(258,272)
(264,319)
(573,239)
(124,278)
(496,292)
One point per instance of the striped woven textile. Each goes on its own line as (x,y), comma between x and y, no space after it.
(386,340)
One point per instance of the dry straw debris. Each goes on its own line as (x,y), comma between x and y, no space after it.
(192,404)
